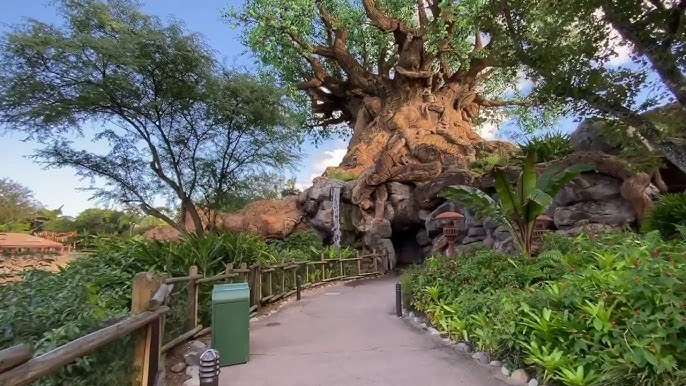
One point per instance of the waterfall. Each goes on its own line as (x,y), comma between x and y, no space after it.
(336,208)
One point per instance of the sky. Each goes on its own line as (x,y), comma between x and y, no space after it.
(57,187)
(60,187)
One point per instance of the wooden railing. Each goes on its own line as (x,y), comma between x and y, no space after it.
(151,296)
(269,284)
(18,366)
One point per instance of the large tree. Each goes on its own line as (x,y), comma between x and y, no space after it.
(17,205)
(570,51)
(407,78)
(165,118)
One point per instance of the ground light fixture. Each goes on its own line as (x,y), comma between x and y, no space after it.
(209,368)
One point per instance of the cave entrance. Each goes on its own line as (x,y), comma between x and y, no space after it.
(407,249)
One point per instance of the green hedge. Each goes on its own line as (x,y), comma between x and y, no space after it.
(604,310)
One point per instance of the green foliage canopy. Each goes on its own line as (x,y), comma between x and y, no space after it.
(335,49)
(17,205)
(165,118)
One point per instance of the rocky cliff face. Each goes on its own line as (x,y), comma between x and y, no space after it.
(409,232)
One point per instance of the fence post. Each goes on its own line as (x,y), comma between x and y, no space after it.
(142,290)
(229,270)
(258,285)
(243,276)
(323,264)
(376,260)
(192,305)
(359,263)
(284,272)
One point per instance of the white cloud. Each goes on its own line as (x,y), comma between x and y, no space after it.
(491,126)
(319,163)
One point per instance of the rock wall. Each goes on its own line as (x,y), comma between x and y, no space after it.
(409,231)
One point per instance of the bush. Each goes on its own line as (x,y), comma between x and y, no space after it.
(668,214)
(549,146)
(605,310)
(49,310)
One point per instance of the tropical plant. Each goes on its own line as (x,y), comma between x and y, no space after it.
(518,207)
(605,309)
(549,146)
(667,215)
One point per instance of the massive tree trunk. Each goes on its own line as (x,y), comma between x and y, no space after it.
(411,134)
(411,117)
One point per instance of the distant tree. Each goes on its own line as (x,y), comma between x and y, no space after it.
(17,206)
(174,123)
(61,224)
(262,186)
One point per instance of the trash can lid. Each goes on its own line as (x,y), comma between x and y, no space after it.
(229,293)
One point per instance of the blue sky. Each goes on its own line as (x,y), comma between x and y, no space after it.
(56,187)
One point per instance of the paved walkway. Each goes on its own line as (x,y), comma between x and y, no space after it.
(348,335)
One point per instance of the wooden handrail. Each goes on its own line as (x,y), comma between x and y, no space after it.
(150,294)
(15,356)
(52,361)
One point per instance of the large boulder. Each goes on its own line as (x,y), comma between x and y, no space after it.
(588,187)
(268,218)
(404,208)
(611,212)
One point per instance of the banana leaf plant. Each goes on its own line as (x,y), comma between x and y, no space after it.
(518,206)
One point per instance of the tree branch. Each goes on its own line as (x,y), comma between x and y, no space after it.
(421,13)
(480,100)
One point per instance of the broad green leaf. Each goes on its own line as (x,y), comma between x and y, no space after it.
(552,180)
(537,203)
(527,179)
(509,200)
(474,199)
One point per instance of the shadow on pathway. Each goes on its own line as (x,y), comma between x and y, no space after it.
(348,335)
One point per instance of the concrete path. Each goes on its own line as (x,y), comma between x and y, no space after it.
(348,335)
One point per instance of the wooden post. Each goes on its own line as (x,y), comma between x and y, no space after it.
(340,262)
(192,305)
(376,261)
(258,285)
(323,264)
(244,276)
(144,286)
(359,263)
(307,273)
(269,283)
(229,270)
(295,277)
(283,280)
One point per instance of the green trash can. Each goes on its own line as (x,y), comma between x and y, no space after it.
(231,322)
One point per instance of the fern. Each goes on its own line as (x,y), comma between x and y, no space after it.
(668,216)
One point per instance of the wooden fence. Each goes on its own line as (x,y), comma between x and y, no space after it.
(150,304)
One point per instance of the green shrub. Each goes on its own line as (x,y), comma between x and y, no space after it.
(342,176)
(549,146)
(49,310)
(602,310)
(668,214)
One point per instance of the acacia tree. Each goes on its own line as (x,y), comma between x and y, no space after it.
(166,120)
(568,54)
(17,204)
(407,78)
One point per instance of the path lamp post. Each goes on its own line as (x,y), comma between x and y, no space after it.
(452,223)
